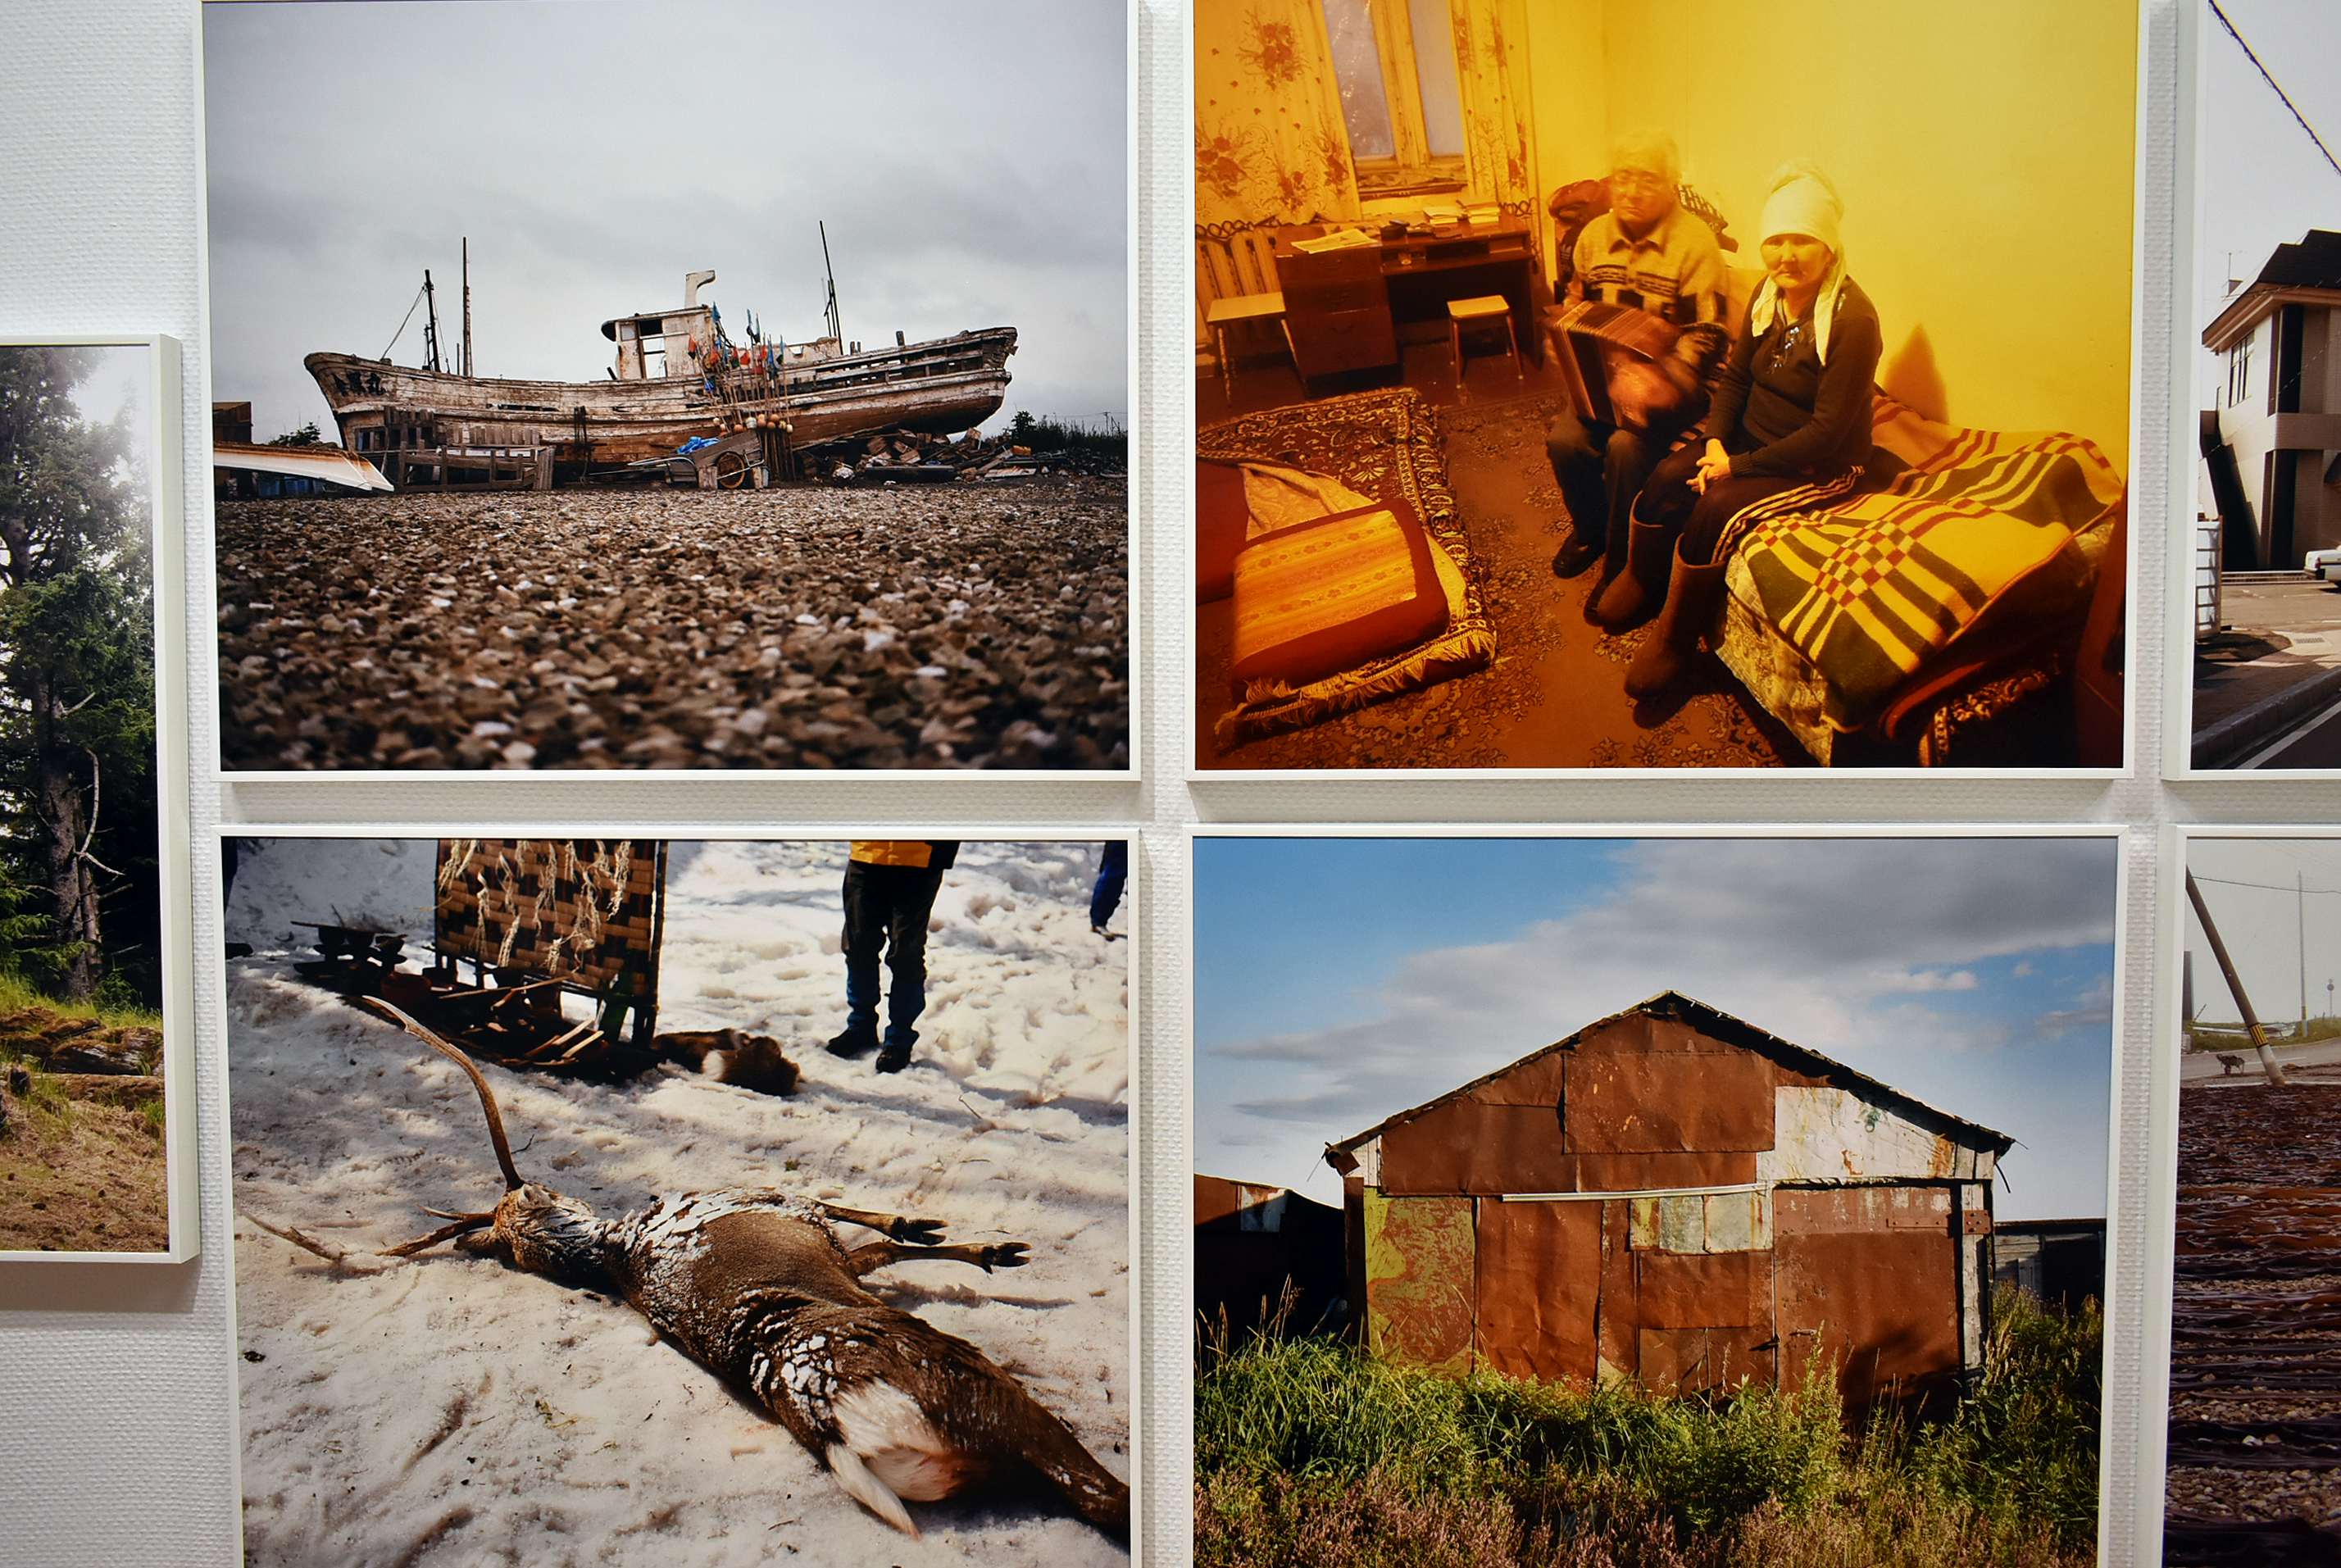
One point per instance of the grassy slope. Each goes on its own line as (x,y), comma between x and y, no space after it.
(76,1176)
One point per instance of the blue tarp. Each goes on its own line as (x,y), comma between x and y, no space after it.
(694,444)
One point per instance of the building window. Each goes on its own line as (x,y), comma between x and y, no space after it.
(1400,98)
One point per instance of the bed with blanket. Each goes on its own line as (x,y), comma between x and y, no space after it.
(1943,599)
(1332,571)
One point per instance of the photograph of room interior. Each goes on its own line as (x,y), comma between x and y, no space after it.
(1918,556)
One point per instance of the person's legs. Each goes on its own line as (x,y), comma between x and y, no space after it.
(1657,515)
(1576,450)
(1113,873)
(865,933)
(912,901)
(1695,588)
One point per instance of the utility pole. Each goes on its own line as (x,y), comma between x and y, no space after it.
(2268,1063)
(2300,927)
(430,323)
(467,305)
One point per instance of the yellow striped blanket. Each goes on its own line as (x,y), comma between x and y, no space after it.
(1872,587)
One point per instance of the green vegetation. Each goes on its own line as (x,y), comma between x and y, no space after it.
(112,1011)
(1107,437)
(2287,1032)
(1309,1452)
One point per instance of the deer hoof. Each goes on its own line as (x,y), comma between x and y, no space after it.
(918,1233)
(1004,1255)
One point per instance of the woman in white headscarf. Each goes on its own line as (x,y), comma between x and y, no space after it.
(1789,425)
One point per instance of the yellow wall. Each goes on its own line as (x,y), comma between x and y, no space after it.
(1572,101)
(1984,151)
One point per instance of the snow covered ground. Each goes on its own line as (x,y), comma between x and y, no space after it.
(446,1410)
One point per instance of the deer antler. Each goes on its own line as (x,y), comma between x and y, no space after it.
(487,1102)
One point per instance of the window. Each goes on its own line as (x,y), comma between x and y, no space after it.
(1401,99)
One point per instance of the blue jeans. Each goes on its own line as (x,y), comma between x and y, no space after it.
(886,910)
(1113,872)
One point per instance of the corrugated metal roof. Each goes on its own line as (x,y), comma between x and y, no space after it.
(331,464)
(1672,1004)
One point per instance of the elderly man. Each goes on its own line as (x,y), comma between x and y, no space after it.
(1645,252)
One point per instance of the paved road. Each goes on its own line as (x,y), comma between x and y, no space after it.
(2313,741)
(2278,633)
(2205,1064)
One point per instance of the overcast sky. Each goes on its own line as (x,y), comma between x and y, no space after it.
(2268,926)
(2262,182)
(1339,981)
(970,162)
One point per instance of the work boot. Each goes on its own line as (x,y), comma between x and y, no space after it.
(897,1053)
(1633,596)
(857,1039)
(1576,553)
(1693,595)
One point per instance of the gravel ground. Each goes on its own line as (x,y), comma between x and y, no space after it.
(946,628)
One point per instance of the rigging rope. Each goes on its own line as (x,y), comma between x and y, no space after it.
(2273,83)
(402,325)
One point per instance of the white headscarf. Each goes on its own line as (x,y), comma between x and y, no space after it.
(1803,201)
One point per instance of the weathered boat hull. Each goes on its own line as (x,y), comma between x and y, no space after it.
(943,386)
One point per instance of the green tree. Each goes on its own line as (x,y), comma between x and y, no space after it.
(76,669)
(307,435)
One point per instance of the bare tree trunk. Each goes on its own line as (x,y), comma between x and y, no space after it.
(73,894)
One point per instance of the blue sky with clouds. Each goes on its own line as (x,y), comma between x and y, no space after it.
(1337,981)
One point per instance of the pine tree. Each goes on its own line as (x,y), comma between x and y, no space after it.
(76,670)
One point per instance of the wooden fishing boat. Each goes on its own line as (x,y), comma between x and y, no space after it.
(678,374)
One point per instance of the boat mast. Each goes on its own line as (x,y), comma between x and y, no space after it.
(835,330)
(430,324)
(467,305)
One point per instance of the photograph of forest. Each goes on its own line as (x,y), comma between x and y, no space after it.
(83,1159)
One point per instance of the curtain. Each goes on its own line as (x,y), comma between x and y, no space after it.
(1269,142)
(1492,67)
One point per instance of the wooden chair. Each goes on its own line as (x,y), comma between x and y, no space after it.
(1235,284)
(1472,312)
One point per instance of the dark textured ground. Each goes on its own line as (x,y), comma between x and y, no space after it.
(949,626)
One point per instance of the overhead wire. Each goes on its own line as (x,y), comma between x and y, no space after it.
(2275,86)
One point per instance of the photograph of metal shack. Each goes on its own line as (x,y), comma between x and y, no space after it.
(1673,1195)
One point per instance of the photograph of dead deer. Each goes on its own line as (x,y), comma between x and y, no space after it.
(1603,383)
(1656,1202)
(2263,375)
(670,383)
(2253,1452)
(723,1203)
(84,1156)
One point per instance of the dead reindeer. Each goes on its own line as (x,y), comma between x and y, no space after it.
(756,1287)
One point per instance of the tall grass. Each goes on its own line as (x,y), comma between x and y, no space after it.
(16,993)
(1307,1450)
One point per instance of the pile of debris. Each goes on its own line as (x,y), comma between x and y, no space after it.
(84,1059)
(912,458)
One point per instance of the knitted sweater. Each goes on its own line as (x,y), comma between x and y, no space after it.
(1782,414)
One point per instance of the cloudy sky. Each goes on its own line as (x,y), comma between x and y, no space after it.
(970,162)
(2262,181)
(1338,980)
(2250,885)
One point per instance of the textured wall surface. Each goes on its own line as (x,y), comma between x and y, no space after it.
(117,1386)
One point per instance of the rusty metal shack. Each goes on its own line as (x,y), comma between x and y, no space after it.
(1675,1195)
(1250,1240)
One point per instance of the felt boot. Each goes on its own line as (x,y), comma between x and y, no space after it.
(858,1038)
(1693,595)
(1633,594)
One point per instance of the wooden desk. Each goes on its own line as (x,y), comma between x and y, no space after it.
(1343,305)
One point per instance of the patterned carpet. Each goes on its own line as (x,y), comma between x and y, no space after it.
(1555,696)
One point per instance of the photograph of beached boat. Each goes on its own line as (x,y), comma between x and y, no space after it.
(507,479)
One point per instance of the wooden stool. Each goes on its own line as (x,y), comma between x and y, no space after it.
(1239,308)
(1482,307)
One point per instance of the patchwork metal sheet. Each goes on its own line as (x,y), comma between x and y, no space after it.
(1669,1101)
(1617,1317)
(1539,1285)
(1718,1290)
(1697,1359)
(1420,1279)
(1642,1172)
(1878,1303)
(1473,1146)
(1830,1136)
